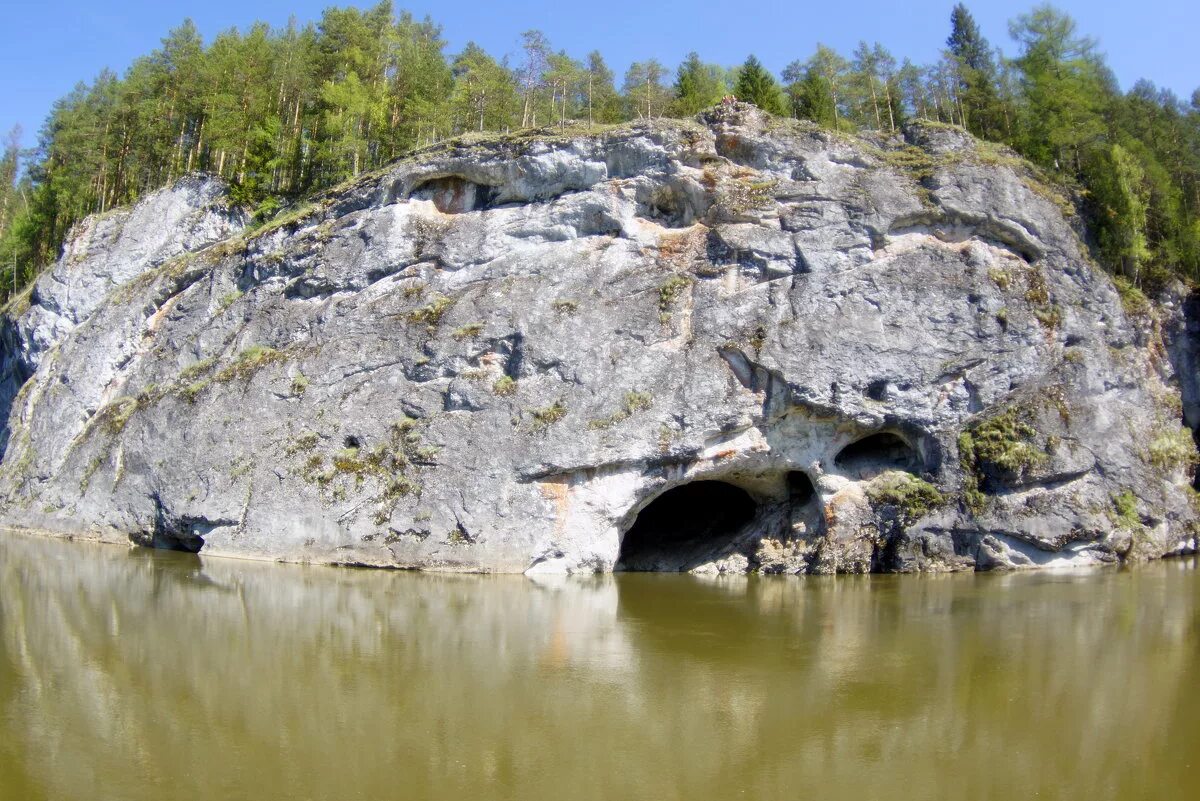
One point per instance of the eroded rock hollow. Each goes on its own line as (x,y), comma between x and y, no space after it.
(726,345)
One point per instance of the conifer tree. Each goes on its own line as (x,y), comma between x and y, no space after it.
(1063,88)
(756,85)
(810,94)
(697,86)
(645,94)
(603,102)
(976,74)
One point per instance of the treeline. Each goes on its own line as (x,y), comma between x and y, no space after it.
(283,113)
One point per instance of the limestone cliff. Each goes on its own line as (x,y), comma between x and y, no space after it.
(723,345)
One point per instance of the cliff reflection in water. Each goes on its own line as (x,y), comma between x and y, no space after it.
(138,674)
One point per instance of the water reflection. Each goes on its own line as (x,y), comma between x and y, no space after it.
(153,674)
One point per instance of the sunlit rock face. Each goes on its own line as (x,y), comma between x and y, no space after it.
(496,354)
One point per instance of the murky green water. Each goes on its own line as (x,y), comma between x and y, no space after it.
(151,675)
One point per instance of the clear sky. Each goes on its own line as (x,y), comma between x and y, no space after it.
(47,46)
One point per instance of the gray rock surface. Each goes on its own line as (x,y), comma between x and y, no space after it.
(496,353)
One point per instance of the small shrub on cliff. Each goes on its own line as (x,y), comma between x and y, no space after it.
(114,415)
(250,361)
(549,415)
(1004,444)
(194,371)
(505,386)
(912,497)
(431,313)
(670,292)
(632,403)
(1124,512)
(467,331)
(1173,449)
(228,299)
(299,384)
(1005,441)
(1133,300)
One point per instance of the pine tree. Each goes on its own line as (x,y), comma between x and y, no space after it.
(10,165)
(872,76)
(1119,198)
(603,102)
(645,94)
(975,73)
(697,86)
(532,74)
(810,94)
(1063,87)
(829,73)
(756,85)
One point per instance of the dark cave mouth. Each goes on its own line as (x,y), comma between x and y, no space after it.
(877,453)
(685,526)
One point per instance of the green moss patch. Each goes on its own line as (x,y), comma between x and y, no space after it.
(912,497)
(632,403)
(1003,446)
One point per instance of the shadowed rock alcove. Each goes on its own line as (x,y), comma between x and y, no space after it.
(876,454)
(685,526)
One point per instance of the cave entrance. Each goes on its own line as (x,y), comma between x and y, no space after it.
(875,454)
(685,526)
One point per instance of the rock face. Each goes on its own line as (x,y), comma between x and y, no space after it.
(102,253)
(733,344)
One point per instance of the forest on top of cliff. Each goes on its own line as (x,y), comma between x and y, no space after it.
(283,113)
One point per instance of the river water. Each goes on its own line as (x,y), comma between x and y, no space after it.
(135,674)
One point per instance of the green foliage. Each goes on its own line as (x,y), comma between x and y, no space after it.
(197,369)
(817,87)
(304,443)
(504,386)
(1118,197)
(299,384)
(975,75)
(631,404)
(113,416)
(670,292)
(698,86)
(645,95)
(1174,449)
(1004,444)
(431,313)
(1124,512)
(388,466)
(756,85)
(468,331)
(283,113)
(1133,300)
(549,415)
(228,299)
(249,362)
(912,497)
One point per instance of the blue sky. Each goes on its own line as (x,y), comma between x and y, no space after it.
(46,46)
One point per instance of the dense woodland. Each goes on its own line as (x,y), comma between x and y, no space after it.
(283,113)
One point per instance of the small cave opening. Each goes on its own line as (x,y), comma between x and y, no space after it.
(800,488)
(670,206)
(453,194)
(685,526)
(162,539)
(875,454)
